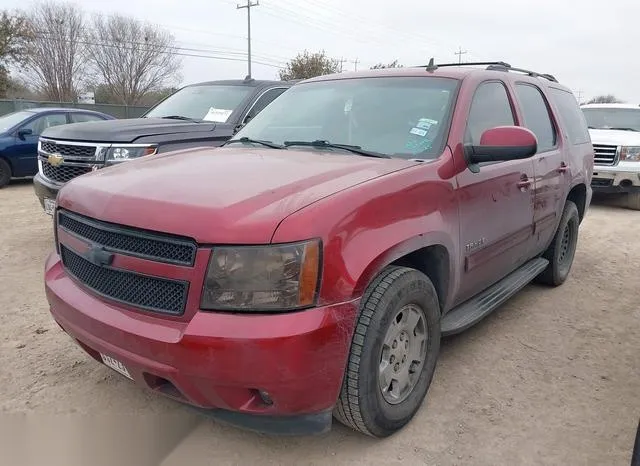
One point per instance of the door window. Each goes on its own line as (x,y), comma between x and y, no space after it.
(490,108)
(263,101)
(536,116)
(47,121)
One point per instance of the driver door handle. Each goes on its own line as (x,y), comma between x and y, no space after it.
(524,183)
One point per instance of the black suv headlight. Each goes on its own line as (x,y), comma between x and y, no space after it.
(280,277)
(125,152)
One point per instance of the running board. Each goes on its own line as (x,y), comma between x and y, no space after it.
(477,308)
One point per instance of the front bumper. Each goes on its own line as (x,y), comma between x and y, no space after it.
(621,178)
(45,188)
(219,361)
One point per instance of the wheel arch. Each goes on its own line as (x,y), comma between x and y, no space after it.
(578,195)
(432,255)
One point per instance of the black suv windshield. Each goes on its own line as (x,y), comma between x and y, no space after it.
(208,102)
(626,119)
(398,116)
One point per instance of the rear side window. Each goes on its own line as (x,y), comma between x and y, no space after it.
(84,117)
(490,108)
(536,116)
(571,116)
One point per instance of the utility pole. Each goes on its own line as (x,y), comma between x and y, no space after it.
(460,52)
(248,6)
(341,61)
(355,65)
(579,97)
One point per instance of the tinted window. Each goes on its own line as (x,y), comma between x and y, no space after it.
(490,108)
(41,123)
(536,116)
(571,116)
(399,116)
(209,102)
(84,117)
(263,101)
(624,119)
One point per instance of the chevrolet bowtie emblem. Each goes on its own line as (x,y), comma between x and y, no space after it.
(55,160)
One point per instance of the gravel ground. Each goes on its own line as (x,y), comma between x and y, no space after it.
(551,378)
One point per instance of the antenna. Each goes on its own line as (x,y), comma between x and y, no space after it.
(432,66)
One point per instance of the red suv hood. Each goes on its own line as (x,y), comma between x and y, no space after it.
(225,195)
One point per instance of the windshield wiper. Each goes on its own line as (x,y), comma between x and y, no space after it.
(178,117)
(246,140)
(329,145)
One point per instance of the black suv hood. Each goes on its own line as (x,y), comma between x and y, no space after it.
(136,130)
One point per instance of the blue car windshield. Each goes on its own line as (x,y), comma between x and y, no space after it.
(12,119)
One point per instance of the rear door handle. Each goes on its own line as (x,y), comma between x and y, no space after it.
(563,168)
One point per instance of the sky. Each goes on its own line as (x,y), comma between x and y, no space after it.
(590,46)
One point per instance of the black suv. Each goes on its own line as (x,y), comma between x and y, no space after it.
(204,114)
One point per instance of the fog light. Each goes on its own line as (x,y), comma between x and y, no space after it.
(266,399)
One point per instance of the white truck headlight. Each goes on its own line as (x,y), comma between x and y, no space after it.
(630,153)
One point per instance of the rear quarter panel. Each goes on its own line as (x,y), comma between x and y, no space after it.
(367,227)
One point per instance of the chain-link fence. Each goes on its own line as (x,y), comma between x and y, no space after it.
(118,111)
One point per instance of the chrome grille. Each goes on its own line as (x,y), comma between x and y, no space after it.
(605,154)
(63,173)
(67,150)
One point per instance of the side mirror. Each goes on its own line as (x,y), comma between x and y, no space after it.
(24,132)
(503,143)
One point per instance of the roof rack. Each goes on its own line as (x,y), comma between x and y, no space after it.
(491,65)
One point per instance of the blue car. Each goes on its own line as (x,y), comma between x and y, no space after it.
(19,133)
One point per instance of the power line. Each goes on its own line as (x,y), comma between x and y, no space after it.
(248,6)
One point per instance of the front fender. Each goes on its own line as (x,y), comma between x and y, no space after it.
(371,225)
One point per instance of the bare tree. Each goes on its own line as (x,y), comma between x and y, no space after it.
(393,64)
(132,58)
(56,59)
(605,99)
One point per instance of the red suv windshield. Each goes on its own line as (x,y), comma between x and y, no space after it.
(399,116)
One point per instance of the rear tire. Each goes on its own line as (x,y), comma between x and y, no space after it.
(393,353)
(5,173)
(633,201)
(562,250)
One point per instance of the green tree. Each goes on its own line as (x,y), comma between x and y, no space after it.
(14,37)
(393,64)
(309,65)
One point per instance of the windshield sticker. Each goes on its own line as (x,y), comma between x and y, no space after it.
(426,123)
(418,132)
(218,115)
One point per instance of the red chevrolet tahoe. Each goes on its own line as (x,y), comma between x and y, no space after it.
(309,268)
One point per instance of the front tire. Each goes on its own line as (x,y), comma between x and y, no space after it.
(5,173)
(393,353)
(562,250)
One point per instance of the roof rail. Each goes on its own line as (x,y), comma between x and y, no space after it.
(491,65)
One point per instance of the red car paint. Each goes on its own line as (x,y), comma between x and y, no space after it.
(368,213)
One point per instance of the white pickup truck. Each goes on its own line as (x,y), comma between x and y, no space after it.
(615,134)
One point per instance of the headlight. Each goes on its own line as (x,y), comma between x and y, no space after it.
(123,153)
(630,153)
(262,278)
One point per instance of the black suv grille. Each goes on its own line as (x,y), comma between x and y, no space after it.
(67,150)
(154,294)
(148,245)
(62,173)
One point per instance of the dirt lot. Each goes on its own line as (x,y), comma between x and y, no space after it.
(551,378)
